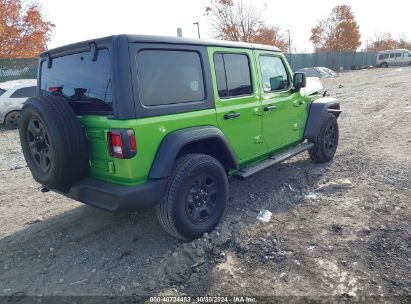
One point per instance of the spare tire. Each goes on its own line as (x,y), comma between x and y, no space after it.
(53,142)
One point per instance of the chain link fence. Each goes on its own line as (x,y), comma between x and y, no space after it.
(332,60)
(12,69)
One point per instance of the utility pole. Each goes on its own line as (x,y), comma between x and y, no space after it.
(198,28)
(179,32)
(289,44)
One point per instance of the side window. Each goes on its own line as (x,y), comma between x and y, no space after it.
(397,55)
(233,74)
(24,92)
(273,74)
(392,55)
(169,77)
(380,57)
(2,91)
(220,75)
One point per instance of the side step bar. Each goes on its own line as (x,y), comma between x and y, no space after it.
(272,160)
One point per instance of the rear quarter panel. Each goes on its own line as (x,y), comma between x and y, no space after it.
(149,133)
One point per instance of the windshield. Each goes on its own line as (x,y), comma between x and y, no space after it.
(84,83)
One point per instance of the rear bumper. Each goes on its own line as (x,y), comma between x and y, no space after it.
(117,198)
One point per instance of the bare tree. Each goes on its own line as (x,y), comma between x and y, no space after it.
(383,41)
(404,43)
(236,20)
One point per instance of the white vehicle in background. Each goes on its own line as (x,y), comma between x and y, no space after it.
(12,96)
(394,58)
(313,86)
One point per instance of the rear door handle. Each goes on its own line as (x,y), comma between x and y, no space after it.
(269,108)
(231,115)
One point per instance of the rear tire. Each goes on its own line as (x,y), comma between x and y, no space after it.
(195,197)
(12,120)
(53,142)
(325,144)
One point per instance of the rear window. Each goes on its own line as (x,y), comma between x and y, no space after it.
(233,74)
(2,91)
(169,77)
(85,83)
(24,92)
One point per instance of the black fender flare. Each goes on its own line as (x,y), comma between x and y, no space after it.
(317,113)
(174,142)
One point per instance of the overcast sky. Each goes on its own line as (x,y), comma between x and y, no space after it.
(78,20)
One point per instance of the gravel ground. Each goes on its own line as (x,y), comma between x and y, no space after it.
(350,238)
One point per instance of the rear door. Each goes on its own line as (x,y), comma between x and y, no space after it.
(237,100)
(391,59)
(399,59)
(285,111)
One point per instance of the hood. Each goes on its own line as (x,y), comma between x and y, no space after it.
(313,86)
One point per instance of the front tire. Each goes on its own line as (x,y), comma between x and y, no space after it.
(195,198)
(325,144)
(384,65)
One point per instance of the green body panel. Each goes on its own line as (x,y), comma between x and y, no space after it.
(254,136)
(245,132)
(283,126)
(149,133)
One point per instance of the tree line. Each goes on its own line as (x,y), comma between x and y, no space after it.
(24,32)
(238,20)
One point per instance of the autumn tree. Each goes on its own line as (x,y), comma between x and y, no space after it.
(382,41)
(234,20)
(338,32)
(23,30)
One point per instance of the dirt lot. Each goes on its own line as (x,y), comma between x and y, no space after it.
(347,240)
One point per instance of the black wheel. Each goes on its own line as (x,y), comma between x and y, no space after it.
(325,144)
(53,142)
(195,197)
(12,120)
(39,144)
(384,65)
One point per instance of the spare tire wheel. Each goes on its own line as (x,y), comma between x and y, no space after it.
(53,142)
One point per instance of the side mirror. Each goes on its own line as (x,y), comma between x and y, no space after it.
(300,81)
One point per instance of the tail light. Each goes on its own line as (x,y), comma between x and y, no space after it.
(122,143)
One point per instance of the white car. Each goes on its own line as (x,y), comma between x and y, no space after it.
(313,86)
(12,96)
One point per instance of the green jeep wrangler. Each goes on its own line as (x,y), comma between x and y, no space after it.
(127,121)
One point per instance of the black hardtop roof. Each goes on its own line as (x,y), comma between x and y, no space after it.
(161,39)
